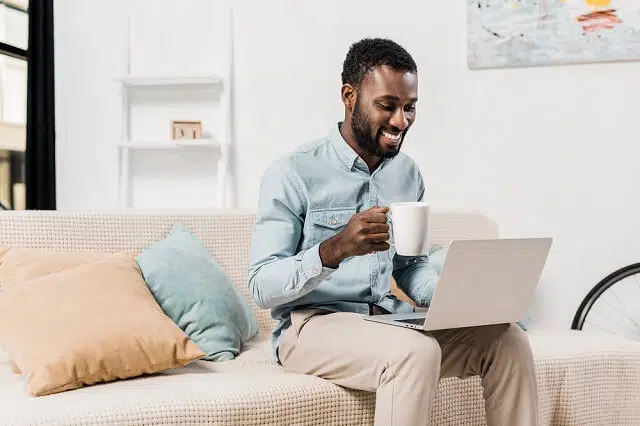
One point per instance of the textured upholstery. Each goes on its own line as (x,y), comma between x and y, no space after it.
(226,233)
(583,379)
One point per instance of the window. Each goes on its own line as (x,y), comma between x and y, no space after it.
(14,33)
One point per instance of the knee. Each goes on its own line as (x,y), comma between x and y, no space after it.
(412,358)
(419,349)
(514,344)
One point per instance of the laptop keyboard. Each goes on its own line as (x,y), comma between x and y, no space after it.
(417,321)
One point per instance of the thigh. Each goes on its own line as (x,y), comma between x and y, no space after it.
(348,350)
(464,350)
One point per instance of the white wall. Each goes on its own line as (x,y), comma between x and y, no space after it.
(544,151)
(93,50)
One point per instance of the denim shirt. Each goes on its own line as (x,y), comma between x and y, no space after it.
(309,196)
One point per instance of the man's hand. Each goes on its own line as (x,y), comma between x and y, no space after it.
(367,232)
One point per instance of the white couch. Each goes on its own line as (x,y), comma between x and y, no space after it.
(583,379)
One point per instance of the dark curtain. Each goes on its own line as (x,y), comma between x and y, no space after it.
(40,155)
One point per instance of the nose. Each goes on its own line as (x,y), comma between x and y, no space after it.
(399,120)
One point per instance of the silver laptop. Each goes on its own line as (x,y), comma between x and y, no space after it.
(482,282)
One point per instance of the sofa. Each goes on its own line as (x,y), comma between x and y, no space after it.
(584,379)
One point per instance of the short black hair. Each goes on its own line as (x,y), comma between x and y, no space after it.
(368,53)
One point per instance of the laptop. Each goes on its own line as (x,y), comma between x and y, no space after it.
(482,282)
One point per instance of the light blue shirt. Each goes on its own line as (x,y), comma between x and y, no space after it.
(309,196)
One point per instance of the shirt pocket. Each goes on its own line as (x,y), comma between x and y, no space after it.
(325,223)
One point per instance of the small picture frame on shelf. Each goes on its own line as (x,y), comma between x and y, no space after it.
(181,129)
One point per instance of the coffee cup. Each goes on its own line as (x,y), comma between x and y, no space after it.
(409,226)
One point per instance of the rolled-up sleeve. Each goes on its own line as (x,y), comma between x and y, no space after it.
(278,272)
(418,276)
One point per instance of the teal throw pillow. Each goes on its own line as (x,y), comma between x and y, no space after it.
(197,295)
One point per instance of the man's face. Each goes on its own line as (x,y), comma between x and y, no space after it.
(384,110)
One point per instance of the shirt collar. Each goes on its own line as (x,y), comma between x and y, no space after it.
(346,154)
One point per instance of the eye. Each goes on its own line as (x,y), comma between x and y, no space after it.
(410,108)
(386,107)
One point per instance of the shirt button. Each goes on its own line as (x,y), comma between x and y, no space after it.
(314,270)
(334,221)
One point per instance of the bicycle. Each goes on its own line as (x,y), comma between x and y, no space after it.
(613,305)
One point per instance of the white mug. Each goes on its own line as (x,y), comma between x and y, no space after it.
(409,228)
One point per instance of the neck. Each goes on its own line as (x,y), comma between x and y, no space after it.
(371,161)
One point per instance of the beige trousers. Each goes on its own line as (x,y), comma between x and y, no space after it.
(403,365)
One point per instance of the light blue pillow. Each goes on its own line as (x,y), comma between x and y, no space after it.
(436,256)
(197,295)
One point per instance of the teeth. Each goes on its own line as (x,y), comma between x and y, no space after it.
(392,136)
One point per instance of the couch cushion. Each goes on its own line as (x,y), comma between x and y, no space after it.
(197,295)
(250,390)
(581,382)
(586,378)
(90,323)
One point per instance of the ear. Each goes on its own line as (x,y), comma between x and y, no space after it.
(349,96)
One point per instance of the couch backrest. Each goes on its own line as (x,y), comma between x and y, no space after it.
(227,233)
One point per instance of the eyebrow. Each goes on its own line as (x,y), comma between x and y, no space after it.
(395,98)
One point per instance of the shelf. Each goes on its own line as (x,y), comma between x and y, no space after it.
(171,81)
(170,144)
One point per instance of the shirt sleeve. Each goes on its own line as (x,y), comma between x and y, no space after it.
(416,276)
(278,273)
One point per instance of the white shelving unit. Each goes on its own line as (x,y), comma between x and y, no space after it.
(216,140)
(172,81)
(169,144)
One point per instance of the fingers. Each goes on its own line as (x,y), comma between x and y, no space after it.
(376,214)
(380,247)
(378,238)
(377,218)
(377,228)
(379,209)
(367,232)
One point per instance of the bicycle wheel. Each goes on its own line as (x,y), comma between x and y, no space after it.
(613,305)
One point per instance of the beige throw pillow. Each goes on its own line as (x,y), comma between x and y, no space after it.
(91,322)
(19,264)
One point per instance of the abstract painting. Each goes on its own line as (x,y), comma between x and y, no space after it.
(516,33)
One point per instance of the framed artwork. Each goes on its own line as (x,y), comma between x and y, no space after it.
(518,33)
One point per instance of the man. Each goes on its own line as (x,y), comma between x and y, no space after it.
(320,261)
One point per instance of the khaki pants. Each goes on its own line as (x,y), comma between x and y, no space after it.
(403,365)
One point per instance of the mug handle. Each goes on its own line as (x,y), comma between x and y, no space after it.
(390,223)
(390,240)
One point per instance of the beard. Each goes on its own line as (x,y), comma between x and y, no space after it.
(362,131)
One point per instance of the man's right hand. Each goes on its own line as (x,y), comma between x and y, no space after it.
(367,232)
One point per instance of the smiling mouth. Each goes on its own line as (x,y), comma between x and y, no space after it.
(392,138)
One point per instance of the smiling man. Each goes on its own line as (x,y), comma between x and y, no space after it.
(320,261)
